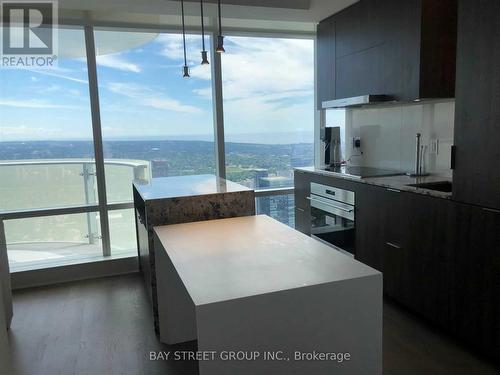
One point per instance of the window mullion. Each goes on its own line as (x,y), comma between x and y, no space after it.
(218,112)
(97,136)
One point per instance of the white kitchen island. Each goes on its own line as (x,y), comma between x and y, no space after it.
(255,288)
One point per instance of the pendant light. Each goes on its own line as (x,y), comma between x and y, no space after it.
(220,38)
(186,68)
(204,57)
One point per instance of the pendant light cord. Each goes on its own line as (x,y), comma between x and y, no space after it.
(202,27)
(183,32)
(220,18)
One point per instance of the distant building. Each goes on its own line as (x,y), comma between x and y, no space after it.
(159,168)
(279,207)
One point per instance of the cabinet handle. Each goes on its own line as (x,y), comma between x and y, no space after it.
(491,210)
(393,245)
(299,209)
(329,204)
(394,190)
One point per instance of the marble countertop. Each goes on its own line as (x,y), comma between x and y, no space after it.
(187,186)
(220,260)
(392,182)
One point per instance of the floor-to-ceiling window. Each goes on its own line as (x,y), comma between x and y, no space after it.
(47,159)
(268,88)
(153,123)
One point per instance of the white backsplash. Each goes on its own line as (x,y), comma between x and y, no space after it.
(388,135)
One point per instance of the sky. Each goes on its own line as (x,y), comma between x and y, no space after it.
(268,87)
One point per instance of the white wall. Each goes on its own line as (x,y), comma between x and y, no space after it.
(388,135)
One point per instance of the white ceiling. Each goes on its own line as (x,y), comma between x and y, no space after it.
(297,11)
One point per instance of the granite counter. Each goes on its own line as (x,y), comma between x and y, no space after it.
(182,199)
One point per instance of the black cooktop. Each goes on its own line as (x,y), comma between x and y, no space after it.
(363,172)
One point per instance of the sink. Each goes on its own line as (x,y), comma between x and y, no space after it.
(444,186)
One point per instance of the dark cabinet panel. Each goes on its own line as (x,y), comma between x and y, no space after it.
(476,178)
(302,183)
(370,224)
(402,49)
(428,237)
(326,61)
(303,220)
(476,279)
(359,27)
(354,75)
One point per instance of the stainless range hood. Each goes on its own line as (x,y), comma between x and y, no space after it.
(356,101)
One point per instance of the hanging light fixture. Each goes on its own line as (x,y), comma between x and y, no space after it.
(204,57)
(186,68)
(220,38)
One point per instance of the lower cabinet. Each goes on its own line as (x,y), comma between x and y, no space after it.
(440,259)
(475,278)
(302,207)
(303,220)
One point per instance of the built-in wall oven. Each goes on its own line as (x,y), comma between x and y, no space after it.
(332,217)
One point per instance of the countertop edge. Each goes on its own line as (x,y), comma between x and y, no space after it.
(375,181)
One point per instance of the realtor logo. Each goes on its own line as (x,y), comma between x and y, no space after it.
(29,34)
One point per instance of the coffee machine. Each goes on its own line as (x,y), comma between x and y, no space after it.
(331,141)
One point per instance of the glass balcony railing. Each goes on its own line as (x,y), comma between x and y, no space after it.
(29,189)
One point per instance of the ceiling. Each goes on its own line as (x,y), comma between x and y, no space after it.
(303,13)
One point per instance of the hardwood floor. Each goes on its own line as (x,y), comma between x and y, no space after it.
(101,326)
(104,326)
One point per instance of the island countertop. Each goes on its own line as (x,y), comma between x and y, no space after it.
(186,186)
(239,257)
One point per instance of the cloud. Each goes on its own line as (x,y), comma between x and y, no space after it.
(148,97)
(115,61)
(17,132)
(31,103)
(262,66)
(57,74)
(274,71)
(171,46)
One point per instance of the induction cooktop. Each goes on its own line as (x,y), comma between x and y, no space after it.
(362,172)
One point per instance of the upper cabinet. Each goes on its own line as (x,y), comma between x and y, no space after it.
(476,178)
(326,52)
(405,49)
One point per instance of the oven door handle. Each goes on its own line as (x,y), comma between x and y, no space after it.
(330,204)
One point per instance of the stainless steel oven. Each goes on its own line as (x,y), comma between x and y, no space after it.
(333,217)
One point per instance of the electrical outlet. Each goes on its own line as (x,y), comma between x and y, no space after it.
(434,149)
(356,142)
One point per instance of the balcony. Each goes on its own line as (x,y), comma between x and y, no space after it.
(51,212)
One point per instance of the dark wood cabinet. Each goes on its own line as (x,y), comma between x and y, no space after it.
(440,259)
(302,206)
(428,238)
(359,27)
(476,178)
(404,49)
(370,225)
(303,220)
(475,278)
(326,53)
